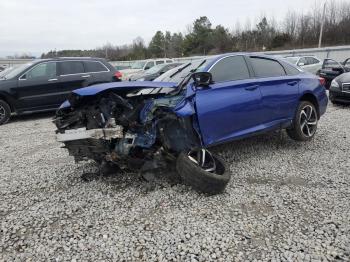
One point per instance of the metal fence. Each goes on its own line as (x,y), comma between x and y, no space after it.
(338,53)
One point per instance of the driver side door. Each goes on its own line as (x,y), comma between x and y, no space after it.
(231,107)
(37,88)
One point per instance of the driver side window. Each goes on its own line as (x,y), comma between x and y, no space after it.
(230,69)
(44,70)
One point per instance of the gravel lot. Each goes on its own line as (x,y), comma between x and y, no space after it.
(286,201)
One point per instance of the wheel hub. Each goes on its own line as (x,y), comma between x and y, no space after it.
(203,158)
(308,121)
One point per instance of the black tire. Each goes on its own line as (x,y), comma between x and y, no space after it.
(5,112)
(304,124)
(201,180)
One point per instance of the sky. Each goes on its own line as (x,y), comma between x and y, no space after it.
(37,26)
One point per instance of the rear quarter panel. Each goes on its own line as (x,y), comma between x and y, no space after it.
(310,84)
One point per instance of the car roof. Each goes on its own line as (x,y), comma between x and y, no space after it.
(68,59)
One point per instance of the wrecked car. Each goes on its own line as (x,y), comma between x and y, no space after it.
(331,69)
(145,126)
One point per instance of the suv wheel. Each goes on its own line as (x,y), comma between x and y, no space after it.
(304,123)
(5,112)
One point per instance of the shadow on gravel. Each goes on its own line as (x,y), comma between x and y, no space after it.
(31,117)
(120,180)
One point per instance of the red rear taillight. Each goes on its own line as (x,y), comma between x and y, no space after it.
(118,75)
(322,81)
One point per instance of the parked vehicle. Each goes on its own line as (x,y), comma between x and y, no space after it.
(148,125)
(331,69)
(6,71)
(177,74)
(140,66)
(122,67)
(339,91)
(154,72)
(311,64)
(43,85)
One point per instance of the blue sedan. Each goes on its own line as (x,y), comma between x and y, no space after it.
(145,126)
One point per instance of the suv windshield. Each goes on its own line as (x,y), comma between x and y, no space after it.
(138,65)
(17,71)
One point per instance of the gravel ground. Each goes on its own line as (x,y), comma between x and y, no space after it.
(286,201)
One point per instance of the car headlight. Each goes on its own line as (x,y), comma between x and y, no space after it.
(141,79)
(334,84)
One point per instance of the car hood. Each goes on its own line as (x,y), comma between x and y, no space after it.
(343,78)
(122,87)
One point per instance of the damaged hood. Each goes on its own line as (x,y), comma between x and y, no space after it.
(124,87)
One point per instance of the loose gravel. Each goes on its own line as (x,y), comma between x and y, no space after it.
(286,201)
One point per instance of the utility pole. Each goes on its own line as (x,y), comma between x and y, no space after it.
(322,24)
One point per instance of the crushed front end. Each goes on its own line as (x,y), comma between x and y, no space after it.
(126,129)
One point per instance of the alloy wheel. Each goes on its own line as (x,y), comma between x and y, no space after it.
(308,120)
(204,159)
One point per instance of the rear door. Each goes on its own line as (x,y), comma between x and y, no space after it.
(231,107)
(38,87)
(279,90)
(72,76)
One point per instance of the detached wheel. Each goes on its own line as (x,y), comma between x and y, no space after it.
(203,171)
(5,112)
(304,123)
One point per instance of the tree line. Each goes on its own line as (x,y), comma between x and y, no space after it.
(296,30)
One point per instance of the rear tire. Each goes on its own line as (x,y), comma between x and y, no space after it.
(5,112)
(213,181)
(304,123)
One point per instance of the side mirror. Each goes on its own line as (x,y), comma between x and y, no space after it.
(147,67)
(301,64)
(202,79)
(161,72)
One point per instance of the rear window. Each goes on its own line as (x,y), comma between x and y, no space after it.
(291,70)
(266,67)
(94,66)
(71,67)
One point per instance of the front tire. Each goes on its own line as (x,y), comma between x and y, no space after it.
(5,112)
(203,171)
(304,123)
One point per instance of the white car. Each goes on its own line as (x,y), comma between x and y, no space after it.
(143,65)
(311,64)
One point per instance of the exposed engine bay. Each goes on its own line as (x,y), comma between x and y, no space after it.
(128,131)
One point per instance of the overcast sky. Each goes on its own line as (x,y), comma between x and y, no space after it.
(37,26)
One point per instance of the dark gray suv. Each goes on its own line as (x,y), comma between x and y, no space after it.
(42,85)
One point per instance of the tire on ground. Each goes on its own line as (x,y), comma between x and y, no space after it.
(294,132)
(201,180)
(7,111)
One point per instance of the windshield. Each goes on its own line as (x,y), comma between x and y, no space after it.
(6,71)
(292,60)
(154,69)
(17,70)
(138,65)
(177,74)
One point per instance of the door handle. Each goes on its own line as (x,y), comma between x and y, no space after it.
(292,83)
(52,79)
(251,88)
(86,76)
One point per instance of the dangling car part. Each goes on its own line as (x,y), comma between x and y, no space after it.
(156,125)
